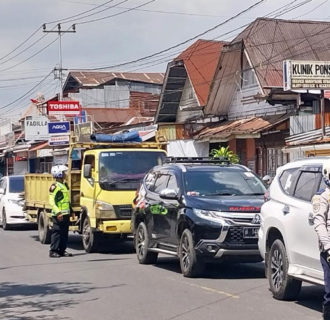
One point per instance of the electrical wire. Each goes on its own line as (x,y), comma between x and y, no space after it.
(117,14)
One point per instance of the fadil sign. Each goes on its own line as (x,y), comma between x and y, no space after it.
(67,108)
(36,128)
(308,75)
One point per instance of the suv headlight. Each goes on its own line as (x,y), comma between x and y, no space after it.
(104,210)
(215,216)
(17,202)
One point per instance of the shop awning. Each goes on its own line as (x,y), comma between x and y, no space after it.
(39,146)
(240,129)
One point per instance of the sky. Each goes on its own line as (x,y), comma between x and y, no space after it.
(112,33)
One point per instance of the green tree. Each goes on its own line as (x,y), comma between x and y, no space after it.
(224,152)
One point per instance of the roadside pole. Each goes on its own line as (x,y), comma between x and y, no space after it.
(60,69)
(322,113)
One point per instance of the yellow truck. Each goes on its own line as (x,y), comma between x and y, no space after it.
(103,179)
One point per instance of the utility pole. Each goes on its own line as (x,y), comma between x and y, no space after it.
(60,69)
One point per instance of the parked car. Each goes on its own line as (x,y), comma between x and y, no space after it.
(199,210)
(11,201)
(287,239)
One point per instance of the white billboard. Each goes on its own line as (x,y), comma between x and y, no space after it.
(36,128)
(307,75)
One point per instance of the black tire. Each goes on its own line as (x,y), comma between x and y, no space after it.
(142,244)
(44,232)
(190,265)
(282,286)
(5,225)
(90,238)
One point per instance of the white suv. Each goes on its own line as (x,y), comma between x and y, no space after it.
(287,239)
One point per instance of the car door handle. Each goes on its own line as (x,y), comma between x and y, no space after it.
(311,219)
(286,210)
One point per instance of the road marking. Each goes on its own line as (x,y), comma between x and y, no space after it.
(224,293)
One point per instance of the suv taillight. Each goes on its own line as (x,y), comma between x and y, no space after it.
(267,195)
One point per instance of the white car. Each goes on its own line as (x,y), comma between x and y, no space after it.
(287,239)
(11,201)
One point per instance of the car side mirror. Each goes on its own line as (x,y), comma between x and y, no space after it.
(2,191)
(169,194)
(87,171)
(267,179)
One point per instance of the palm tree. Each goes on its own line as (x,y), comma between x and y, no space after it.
(224,152)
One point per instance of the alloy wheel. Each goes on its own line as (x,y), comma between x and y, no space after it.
(277,269)
(185,251)
(140,242)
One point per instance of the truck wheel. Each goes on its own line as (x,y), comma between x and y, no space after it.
(142,244)
(90,238)
(282,286)
(43,229)
(190,265)
(5,225)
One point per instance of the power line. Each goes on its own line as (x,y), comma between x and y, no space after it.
(181,43)
(120,13)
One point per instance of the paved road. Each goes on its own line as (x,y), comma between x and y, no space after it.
(112,285)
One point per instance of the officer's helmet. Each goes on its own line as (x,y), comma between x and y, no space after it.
(326,172)
(58,171)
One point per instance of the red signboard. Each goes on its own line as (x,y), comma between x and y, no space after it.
(67,108)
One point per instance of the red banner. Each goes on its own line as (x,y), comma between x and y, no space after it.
(66,108)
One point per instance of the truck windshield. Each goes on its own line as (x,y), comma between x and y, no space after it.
(16,184)
(225,182)
(123,170)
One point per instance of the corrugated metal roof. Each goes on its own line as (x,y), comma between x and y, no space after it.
(310,137)
(92,79)
(267,43)
(112,115)
(249,126)
(200,61)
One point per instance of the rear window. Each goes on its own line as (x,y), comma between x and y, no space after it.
(307,185)
(223,182)
(16,184)
(286,179)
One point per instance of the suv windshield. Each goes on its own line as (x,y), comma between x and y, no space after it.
(225,182)
(16,184)
(123,170)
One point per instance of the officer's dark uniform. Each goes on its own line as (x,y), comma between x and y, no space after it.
(59,201)
(321,215)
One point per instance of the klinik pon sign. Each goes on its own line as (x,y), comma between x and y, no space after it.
(308,75)
(66,108)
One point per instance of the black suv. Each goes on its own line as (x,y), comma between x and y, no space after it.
(199,210)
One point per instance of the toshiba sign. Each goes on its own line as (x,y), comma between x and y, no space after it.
(67,108)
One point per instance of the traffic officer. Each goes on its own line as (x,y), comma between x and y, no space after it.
(59,201)
(322,227)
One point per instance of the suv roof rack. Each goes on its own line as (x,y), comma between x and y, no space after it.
(197,160)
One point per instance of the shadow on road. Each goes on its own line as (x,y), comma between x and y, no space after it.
(311,297)
(42,301)
(223,270)
(107,245)
(21,227)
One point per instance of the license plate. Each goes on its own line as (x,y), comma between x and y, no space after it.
(250,232)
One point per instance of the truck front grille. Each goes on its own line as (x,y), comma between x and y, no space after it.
(123,211)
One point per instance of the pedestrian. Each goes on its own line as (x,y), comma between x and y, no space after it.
(59,201)
(321,215)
